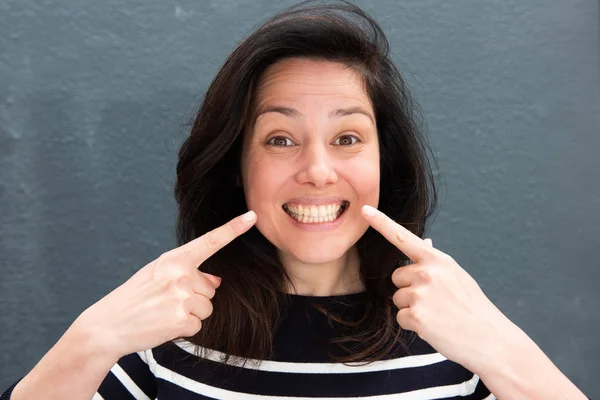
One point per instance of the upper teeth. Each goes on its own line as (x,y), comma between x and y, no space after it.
(315,211)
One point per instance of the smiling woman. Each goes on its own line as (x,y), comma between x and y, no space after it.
(308,118)
(309,133)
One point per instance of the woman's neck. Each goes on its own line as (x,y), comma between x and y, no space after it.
(337,277)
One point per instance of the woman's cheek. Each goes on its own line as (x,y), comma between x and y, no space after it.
(364,176)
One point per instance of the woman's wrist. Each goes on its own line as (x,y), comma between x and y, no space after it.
(91,340)
(515,367)
(73,368)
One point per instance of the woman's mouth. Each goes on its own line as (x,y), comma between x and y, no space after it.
(315,214)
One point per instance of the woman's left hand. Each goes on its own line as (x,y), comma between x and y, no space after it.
(440,301)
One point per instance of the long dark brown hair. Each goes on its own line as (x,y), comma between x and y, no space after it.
(251,301)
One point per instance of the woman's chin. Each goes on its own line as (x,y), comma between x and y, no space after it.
(318,256)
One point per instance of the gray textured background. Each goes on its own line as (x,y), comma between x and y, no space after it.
(93,96)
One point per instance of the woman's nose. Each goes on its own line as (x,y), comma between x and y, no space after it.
(317,167)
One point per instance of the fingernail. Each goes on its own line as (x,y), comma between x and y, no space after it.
(368,210)
(249,216)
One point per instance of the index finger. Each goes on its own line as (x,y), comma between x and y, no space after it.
(410,244)
(201,248)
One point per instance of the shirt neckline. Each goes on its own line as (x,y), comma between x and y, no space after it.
(337,297)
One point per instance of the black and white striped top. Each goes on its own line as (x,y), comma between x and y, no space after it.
(299,369)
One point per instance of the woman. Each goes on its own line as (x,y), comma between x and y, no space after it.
(325,287)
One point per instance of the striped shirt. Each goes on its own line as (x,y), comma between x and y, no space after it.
(299,369)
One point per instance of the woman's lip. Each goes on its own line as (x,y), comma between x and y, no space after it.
(316,200)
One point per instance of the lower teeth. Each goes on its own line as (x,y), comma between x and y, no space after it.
(313,220)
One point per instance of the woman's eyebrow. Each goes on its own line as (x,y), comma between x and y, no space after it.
(293,113)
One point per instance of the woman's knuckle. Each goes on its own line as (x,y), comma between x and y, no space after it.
(211,240)
(212,292)
(163,257)
(175,271)
(399,318)
(182,280)
(210,307)
(414,315)
(195,326)
(161,264)
(424,275)
(444,258)
(169,268)
(405,318)
(173,284)
(415,296)
(205,308)
(181,315)
(396,275)
(192,326)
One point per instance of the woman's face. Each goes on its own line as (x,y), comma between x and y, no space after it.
(311,160)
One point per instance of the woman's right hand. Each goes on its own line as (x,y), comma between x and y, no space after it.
(166,299)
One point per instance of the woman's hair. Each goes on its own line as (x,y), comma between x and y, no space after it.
(251,301)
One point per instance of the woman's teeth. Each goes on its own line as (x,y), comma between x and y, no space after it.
(311,214)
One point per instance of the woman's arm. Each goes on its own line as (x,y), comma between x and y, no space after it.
(443,304)
(73,368)
(514,367)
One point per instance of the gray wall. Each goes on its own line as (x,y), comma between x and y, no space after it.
(92,100)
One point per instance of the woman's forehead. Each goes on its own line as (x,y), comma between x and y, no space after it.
(297,80)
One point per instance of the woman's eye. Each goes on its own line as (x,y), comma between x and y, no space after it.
(346,140)
(280,141)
